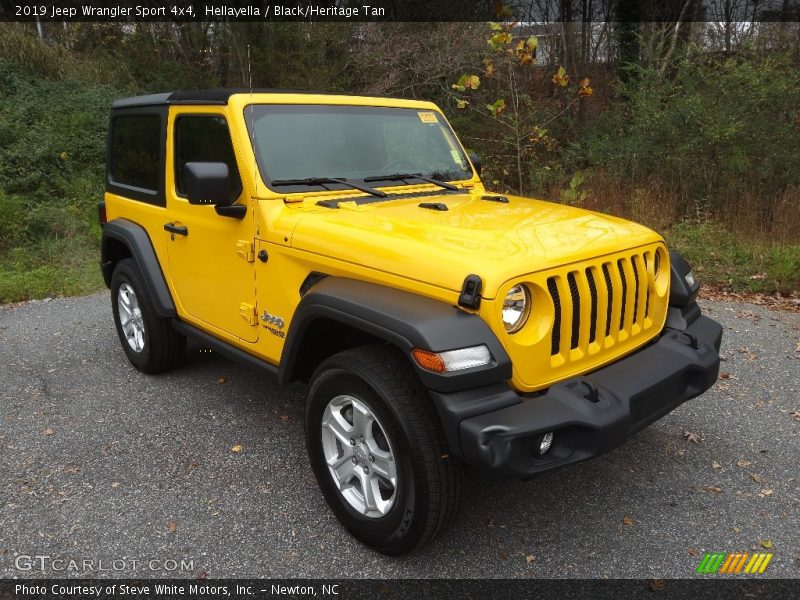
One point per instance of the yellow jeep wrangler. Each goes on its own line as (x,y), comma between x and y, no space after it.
(346,244)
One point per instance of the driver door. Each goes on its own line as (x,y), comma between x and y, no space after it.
(210,256)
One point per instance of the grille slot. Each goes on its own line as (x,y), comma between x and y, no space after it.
(636,289)
(576,310)
(593,314)
(610,288)
(555,340)
(624,294)
(645,256)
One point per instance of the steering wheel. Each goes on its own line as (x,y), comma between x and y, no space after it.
(399,165)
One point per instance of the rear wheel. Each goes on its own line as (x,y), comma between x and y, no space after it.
(378,451)
(148,340)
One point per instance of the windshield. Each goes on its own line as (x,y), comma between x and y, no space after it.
(293,142)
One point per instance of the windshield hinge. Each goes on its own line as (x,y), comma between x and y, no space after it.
(245,250)
(293,199)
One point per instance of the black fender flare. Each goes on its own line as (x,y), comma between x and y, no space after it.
(683,309)
(135,238)
(403,319)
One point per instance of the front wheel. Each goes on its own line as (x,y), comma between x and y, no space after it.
(378,451)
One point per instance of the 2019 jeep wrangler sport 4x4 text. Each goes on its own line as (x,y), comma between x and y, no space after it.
(347,245)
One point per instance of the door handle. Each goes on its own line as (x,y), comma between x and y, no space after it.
(179,229)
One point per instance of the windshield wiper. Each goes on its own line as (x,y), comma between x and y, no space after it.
(404,176)
(323,180)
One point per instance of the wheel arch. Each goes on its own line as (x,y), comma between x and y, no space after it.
(125,239)
(339,313)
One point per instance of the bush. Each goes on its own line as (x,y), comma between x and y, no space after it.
(718,135)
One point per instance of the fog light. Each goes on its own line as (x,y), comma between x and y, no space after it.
(545,443)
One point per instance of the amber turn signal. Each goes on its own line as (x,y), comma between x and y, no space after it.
(428,360)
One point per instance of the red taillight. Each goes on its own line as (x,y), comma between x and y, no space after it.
(101,213)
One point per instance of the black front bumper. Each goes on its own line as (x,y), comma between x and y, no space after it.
(498,431)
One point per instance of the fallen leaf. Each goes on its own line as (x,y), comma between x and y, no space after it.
(530,558)
(712,488)
(201,575)
(695,438)
(693,551)
(724,375)
(627,521)
(737,529)
(743,463)
(657,585)
(172,526)
(115,484)
(444,456)
(757,478)
(237,448)
(49,431)
(766,543)
(284,417)
(503,554)
(716,465)
(766,492)
(222,379)
(72,469)
(795,414)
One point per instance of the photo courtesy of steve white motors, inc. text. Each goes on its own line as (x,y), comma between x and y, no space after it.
(213,590)
(205,11)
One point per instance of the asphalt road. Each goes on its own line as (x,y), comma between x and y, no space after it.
(99,462)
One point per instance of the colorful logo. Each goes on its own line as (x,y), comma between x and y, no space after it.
(734,563)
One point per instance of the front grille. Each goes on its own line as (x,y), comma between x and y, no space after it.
(625,281)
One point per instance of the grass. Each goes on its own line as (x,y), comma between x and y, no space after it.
(58,268)
(47,249)
(721,257)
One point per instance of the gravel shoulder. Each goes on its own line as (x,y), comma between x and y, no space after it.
(100,462)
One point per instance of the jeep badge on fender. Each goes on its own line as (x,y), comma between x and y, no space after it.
(433,325)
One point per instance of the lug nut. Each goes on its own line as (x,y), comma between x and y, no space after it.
(366,469)
(371,458)
(352,441)
(355,460)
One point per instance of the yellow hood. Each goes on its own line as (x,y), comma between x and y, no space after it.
(493,240)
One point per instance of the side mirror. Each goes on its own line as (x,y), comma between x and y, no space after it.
(476,162)
(208,183)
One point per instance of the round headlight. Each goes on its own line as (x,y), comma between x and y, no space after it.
(516,308)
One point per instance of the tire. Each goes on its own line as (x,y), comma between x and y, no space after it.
(424,499)
(148,340)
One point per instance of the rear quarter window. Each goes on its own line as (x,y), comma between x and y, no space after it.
(135,156)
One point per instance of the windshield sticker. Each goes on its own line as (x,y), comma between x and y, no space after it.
(427,117)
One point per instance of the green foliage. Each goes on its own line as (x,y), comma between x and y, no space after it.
(51,166)
(575,194)
(53,132)
(713,131)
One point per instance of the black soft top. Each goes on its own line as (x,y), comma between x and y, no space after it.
(216,96)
